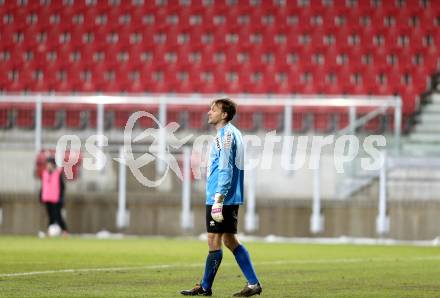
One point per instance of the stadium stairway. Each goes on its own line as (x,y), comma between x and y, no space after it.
(408,184)
(424,140)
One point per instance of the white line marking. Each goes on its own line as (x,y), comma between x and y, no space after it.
(177,265)
(152,267)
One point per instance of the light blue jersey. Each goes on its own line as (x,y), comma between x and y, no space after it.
(225,169)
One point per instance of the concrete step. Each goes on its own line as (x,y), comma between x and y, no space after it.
(432,108)
(428,128)
(415,174)
(420,149)
(435,98)
(413,190)
(424,138)
(430,117)
(353,185)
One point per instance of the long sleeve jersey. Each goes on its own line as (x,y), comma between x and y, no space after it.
(225,172)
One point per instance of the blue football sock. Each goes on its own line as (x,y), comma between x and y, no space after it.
(244,261)
(212,263)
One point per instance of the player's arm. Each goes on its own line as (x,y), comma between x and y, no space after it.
(226,166)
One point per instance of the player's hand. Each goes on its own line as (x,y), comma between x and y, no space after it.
(217,208)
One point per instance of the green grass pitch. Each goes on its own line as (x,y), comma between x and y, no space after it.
(157,267)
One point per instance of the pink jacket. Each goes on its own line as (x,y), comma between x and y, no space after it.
(50,186)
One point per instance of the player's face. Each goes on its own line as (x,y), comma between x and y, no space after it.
(215,115)
(50,167)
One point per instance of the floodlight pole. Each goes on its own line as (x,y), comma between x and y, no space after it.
(100,133)
(38,123)
(187,216)
(161,164)
(316,220)
(122,215)
(352,119)
(397,125)
(382,220)
(287,120)
(251,218)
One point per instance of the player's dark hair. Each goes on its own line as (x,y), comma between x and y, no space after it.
(228,106)
(51,160)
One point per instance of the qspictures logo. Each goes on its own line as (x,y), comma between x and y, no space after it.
(152,153)
(296,152)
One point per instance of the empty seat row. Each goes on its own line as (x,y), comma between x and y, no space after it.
(256,21)
(149,62)
(56,116)
(217,6)
(249,35)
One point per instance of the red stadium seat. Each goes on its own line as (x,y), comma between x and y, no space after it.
(272,117)
(41,85)
(24,115)
(375,125)
(92,116)
(332,88)
(64,86)
(197,118)
(300,121)
(15,86)
(75,116)
(323,120)
(146,122)
(174,113)
(211,87)
(122,113)
(409,100)
(51,117)
(342,117)
(430,58)
(5,115)
(245,118)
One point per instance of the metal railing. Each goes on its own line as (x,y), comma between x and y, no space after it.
(391,163)
(288,102)
(379,105)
